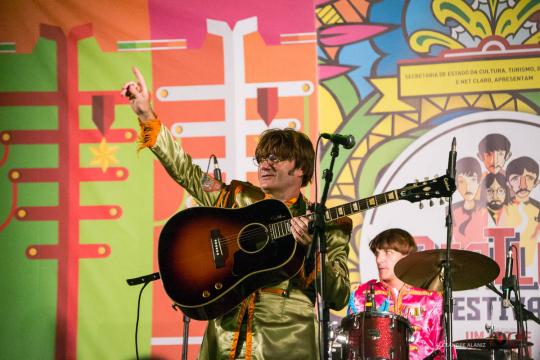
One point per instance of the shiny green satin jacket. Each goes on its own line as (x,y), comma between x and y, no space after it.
(268,324)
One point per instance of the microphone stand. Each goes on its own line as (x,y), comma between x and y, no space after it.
(527,314)
(185,333)
(521,314)
(185,338)
(447,267)
(319,242)
(511,284)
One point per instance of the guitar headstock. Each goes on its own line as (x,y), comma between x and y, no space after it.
(440,187)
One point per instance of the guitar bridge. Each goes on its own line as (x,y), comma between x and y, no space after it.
(217,249)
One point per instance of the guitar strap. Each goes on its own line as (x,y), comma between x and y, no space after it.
(238,194)
(235,195)
(247,307)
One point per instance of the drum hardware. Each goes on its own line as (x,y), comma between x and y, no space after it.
(342,339)
(490,328)
(495,347)
(332,328)
(338,340)
(410,339)
(374,334)
(336,334)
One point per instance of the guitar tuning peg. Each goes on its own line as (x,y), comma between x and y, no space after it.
(426,178)
(421,205)
(436,175)
(416,181)
(431,203)
(441,201)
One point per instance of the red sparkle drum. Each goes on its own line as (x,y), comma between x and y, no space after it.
(377,335)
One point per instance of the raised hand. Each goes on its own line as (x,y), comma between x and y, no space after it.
(138,96)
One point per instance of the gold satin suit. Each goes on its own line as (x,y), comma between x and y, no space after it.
(276,322)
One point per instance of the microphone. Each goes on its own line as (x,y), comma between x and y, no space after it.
(451,171)
(208,183)
(217,171)
(346,140)
(143,279)
(507,280)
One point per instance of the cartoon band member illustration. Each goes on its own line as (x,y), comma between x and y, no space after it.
(500,196)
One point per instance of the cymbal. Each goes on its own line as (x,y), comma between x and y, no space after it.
(489,344)
(424,269)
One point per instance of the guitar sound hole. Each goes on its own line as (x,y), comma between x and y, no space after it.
(253,238)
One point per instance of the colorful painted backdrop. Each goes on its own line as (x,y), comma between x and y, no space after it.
(81,209)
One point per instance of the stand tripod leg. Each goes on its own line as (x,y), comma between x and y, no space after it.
(185,338)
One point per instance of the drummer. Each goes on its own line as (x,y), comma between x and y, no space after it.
(422,308)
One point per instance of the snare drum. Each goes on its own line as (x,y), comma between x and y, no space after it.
(377,335)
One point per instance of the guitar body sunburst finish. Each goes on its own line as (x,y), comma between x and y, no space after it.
(210,259)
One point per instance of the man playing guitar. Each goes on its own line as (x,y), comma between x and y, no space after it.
(276,321)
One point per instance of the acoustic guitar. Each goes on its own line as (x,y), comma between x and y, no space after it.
(210,259)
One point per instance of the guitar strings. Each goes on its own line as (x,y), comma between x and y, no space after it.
(243,236)
(248,235)
(252,234)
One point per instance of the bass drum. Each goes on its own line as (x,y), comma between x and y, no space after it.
(377,335)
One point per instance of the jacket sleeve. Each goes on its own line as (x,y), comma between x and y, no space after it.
(181,168)
(337,289)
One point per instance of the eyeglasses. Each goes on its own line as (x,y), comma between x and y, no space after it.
(271,159)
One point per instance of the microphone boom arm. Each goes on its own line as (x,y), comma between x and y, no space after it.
(528,315)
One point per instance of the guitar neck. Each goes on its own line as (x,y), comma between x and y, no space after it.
(360,205)
(283,228)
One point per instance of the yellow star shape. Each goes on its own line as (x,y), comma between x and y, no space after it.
(103,155)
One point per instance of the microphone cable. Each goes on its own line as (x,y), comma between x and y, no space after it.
(146,279)
(217,171)
(209,161)
(137,322)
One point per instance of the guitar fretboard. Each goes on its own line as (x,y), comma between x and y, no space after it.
(283,228)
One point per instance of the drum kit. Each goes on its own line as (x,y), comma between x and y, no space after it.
(374,334)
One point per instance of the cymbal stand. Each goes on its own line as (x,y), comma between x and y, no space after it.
(447,266)
(447,288)
(512,284)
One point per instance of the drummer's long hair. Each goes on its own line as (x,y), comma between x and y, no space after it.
(396,239)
